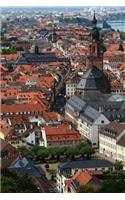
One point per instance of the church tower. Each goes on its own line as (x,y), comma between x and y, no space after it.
(96,50)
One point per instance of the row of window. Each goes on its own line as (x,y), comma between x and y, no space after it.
(108,144)
(70,93)
(106,138)
(70,89)
(71,85)
(85,125)
(62,143)
(20,113)
(108,153)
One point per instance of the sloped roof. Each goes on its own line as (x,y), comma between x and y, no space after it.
(76,103)
(29,58)
(121,142)
(84,164)
(26,167)
(90,114)
(94,79)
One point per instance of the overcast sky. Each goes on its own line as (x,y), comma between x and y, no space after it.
(62,2)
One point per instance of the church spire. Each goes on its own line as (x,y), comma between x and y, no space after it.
(95,57)
(94,21)
(95,31)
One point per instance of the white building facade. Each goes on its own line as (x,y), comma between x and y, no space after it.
(90,130)
(109,138)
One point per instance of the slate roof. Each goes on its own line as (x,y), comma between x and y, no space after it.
(26,167)
(86,113)
(113,105)
(29,58)
(76,103)
(94,79)
(89,114)
(85,164)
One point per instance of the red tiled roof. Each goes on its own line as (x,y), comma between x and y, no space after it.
(82,178)
(61,133)
(50,116)
(7,132)
(22,108)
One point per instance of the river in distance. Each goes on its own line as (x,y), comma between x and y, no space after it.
(115,25)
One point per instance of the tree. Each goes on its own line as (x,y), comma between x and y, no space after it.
(42,153)
(13,182)
(73,151)
(118,165)
(85,149)
(113,186)
(11,50)
(122,35)
(88,151)
(85,189)
(10,68)
(81,144)
(55,152)
(26,151)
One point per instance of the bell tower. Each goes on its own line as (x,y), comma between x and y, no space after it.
(96,49)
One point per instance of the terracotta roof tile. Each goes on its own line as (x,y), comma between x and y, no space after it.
(61,133)
(31,107)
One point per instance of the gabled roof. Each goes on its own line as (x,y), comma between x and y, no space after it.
(26,167)
(121,142)
(76,103)
(89,114)
(94,79)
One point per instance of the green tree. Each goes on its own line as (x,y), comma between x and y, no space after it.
(26,151)
(42,153)
(73,151)
(85,189)
(113,186)
(12,182)
(10,68)
(85,149)
(11,50)
(55,153)
(122,35)
(118,165)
